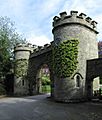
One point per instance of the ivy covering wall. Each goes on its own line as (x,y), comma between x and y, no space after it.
(65,58)
(21,67)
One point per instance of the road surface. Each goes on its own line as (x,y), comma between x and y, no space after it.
(41,108)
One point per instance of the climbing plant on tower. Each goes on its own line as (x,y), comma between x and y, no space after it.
(65,57)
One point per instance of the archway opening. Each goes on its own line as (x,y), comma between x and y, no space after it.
(93,87)
(43,80)
(97,88)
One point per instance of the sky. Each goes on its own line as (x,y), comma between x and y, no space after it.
(33,18)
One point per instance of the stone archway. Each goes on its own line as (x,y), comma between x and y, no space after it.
(92,86)
(94,70)
(35,62)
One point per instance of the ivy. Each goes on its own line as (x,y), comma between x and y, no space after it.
(65,58)
(21,67)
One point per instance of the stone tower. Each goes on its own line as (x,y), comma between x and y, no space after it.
(83,28)
(21,54)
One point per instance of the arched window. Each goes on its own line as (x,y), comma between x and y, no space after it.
(22,82)
(77,81)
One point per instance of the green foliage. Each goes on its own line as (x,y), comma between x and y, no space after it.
(46,88)
(45,80)
(21,67)
(2,90)
(8,38)
(65,58)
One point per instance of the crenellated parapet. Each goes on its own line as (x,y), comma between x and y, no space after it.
(24,47)
(40,50)
(74,18)
(23,51)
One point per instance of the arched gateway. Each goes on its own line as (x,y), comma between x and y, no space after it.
(72,59)
(36,60)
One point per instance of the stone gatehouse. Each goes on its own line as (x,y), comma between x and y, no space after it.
(76,86)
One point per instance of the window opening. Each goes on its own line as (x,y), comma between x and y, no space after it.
(77,81)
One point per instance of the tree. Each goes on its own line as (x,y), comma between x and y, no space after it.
(8,39)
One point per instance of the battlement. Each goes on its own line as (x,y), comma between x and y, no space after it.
(40,50)
(35,50)
(24,47)
(74,18)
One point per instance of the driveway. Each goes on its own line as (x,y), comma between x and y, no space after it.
(41,108)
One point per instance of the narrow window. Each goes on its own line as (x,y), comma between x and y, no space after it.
(22,82)
(77,81)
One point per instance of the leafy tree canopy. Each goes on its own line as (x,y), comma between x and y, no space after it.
(8,39)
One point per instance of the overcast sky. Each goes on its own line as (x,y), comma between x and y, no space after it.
(33,18)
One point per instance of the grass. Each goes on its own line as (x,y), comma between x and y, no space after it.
(46,88)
